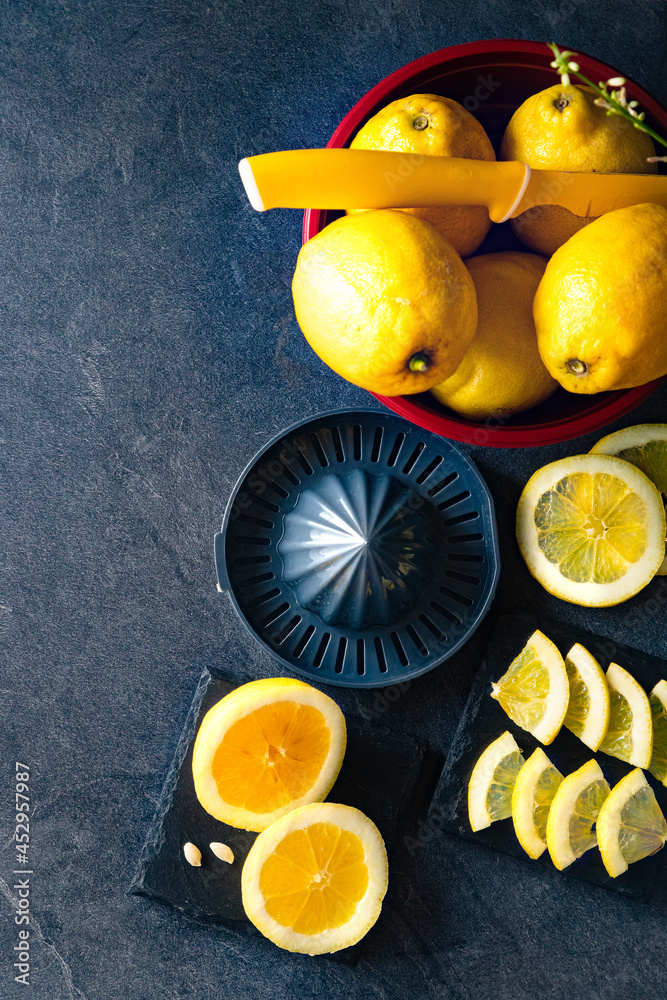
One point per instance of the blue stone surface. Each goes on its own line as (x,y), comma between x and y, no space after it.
(149,349)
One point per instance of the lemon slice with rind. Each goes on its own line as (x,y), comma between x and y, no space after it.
(534,691)
(630,733)
(631,825)
(534,789)
(264,749)
(573,812)
(313,882)
(491,782)
(588,709)
(644,445)
(658,702)
(591,529)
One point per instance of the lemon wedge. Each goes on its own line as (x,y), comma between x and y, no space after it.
(534,789)
(573,812)
(644,445)
(658,702)
(313,882)
(588,709)
(534,691)
(491,782)
(631,824)
(591,529)
(630,733)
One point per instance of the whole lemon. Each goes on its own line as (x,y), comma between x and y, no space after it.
(437,126)
(385,301)
(601,308)
(502,372)
(562,128)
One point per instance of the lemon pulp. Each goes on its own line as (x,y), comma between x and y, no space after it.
(643,828)
(658,702)
(591,525)
(272,756)
(585,812)
(315,878)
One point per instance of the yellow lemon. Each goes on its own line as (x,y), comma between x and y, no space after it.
(534,789)
(658,702)
(589,706)
(574,810)
(314,881)
(385,301)
(630,732)
(491,782)
(428,124)
(266,748)
(534,690)
(601,308)
(645,445)
(562,128)
(591,529)
(502,372)
(630,825)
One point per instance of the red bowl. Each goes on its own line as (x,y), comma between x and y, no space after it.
(491,79)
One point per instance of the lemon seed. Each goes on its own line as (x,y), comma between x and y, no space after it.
(192,855)
(222,851)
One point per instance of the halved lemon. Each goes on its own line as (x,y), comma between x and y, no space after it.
(658,702)
(314,881)
(630,733)
(534,691)
(588,709)
(591,529)
(491,782)
(266,748)
(534,789)
(644,445)
(573,812)
(631,824)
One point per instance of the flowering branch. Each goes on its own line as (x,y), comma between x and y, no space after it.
(614,102)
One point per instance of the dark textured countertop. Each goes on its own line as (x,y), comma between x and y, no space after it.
(149,348)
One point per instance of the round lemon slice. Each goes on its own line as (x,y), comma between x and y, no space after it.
(573,812)
(491,782)
(644,445)
(591,529)
(534,789)
(588,709)
(313,882)
(630,733)
(534,691)
(631,824)
(658,702)
(266,748)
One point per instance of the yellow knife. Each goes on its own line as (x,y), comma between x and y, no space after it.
(359,178)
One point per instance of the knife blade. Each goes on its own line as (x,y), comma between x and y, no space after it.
(357,178)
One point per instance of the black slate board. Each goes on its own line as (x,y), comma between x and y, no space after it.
(379,776)
(483,720)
